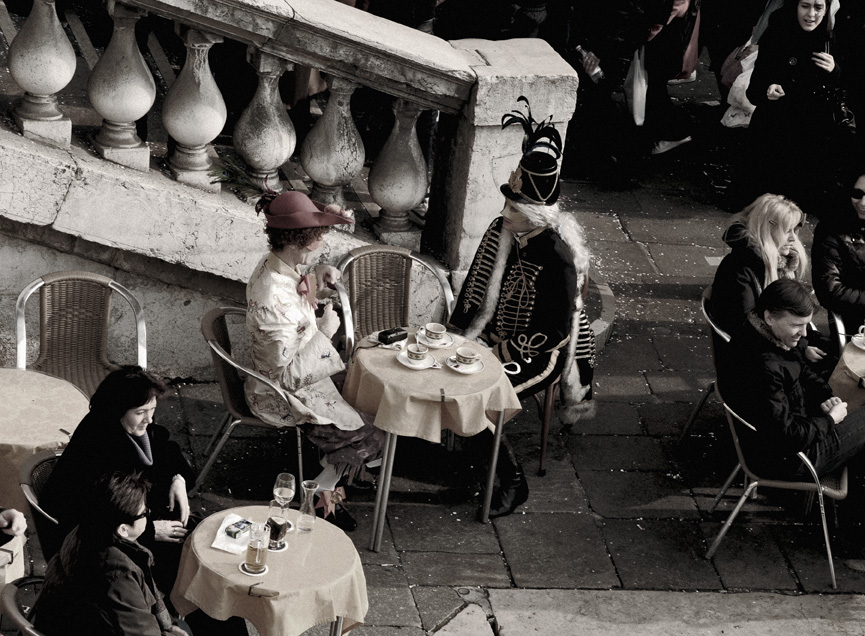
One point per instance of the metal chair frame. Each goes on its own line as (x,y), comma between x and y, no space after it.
(57,351)
(9,605)
(237,410)
(393,314)
(836,325)
(836,491)
(715,331)
(26,480)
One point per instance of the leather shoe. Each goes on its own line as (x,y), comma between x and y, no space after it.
(506,500)
(341,518)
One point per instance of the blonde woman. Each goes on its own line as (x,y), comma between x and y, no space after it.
(765,241)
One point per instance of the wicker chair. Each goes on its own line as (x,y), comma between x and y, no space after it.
(228,373)
(376,293)
(75,308)
(833,486)
(10,605)
(32,477)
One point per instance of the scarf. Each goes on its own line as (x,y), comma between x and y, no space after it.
(142,448)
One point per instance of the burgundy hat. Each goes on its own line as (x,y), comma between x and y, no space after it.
(294,211)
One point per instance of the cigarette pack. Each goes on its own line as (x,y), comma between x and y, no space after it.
(237,528)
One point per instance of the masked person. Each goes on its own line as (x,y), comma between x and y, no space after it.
(523,294)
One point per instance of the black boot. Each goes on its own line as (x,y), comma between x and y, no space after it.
(510,495)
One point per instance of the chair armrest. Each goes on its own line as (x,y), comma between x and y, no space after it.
(347,318)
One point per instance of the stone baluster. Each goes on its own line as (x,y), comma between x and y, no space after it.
(398,178)
(194,113)
(122,90)
(264,136)
(332,153)
(42,62)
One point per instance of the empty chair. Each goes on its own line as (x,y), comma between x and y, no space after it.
(375,291)
(833,486)
(228,372)
(74,313)
(717,337)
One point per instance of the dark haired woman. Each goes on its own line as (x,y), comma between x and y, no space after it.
(100,583)
(292,346)
(118,434)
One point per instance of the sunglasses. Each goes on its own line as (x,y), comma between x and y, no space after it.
(146,513)
(857,194)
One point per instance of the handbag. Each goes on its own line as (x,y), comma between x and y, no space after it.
(848,378)
(635,86)
(732,66)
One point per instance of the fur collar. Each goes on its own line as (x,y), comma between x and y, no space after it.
(765,331)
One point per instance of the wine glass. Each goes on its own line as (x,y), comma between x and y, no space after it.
(283,489)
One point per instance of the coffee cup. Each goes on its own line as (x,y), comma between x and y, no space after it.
(434,330)
(467,355)
(416,352)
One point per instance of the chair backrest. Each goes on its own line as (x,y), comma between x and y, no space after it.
(75,309)
(228,371)
(838,329)
(10,607)
(375,291)
(33,475)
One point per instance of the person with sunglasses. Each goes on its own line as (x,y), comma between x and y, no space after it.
(839,259)
(101,583)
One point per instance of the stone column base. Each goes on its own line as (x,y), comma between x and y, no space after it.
(196,178)
(409,239)
(57,132)
(135,158)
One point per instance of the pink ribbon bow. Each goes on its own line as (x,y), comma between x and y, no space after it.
(307,291)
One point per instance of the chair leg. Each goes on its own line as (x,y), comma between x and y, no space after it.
(219,429)
(821,501)
(710,388)
(549,397)
(730,520)
(725,487)
(210,460)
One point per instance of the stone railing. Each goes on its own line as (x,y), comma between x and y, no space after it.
(470,82)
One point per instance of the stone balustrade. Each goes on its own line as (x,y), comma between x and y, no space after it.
(470,82)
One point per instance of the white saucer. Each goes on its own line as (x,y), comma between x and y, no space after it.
(467,369)
(426,363)
(858,340)
(242,568)
(444,342)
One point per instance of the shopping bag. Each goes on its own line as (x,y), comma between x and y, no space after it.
(635,86)
(848,378)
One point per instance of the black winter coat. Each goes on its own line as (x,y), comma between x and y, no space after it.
(738,282)
(100,447)
(774,389)
(838,267)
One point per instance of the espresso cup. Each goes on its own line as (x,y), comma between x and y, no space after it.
(416,352)
(467,355)
(434,330)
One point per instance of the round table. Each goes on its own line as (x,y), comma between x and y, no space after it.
(39,412)
(424,402)
(318,579)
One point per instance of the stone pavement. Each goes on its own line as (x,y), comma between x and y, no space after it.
(612,539)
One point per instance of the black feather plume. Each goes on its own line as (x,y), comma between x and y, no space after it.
(539,136)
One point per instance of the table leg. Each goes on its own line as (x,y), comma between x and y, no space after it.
(491,477)
(383,492)
(336,627)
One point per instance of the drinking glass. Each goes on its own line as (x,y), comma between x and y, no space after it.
(278,524)
(256,551)
(283,489)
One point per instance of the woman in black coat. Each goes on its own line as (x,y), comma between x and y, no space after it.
(794,88)
(118,434)
(839,260)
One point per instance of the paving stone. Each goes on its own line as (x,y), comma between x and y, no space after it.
(611,418)
(660,555)
(436,605)
(670,386)
(749,558)
(376,630)
(393,606)
(635,495)
(658,204)
(558,491)
(676,260)
(685,353)
(601,226)
(387,559)
(616,452)
(626,353)
(453,569)
(584,195)
(668,418)
(432,529)
(620,387)
(556,550)
(804,548)
(621,261)
(202,407)
(683,231)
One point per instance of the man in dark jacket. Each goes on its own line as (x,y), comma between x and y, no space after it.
(100,583)
(767,381)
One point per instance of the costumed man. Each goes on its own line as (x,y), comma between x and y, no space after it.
(523,295)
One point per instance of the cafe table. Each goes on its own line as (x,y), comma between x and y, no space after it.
(39,412)
(317,579)
(424,402)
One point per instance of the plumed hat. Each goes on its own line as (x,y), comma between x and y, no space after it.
(536,178)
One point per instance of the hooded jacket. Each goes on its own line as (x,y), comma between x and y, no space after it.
(838,266)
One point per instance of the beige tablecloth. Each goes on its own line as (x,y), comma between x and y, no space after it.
(409,402)
(35,406)
(317,579)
